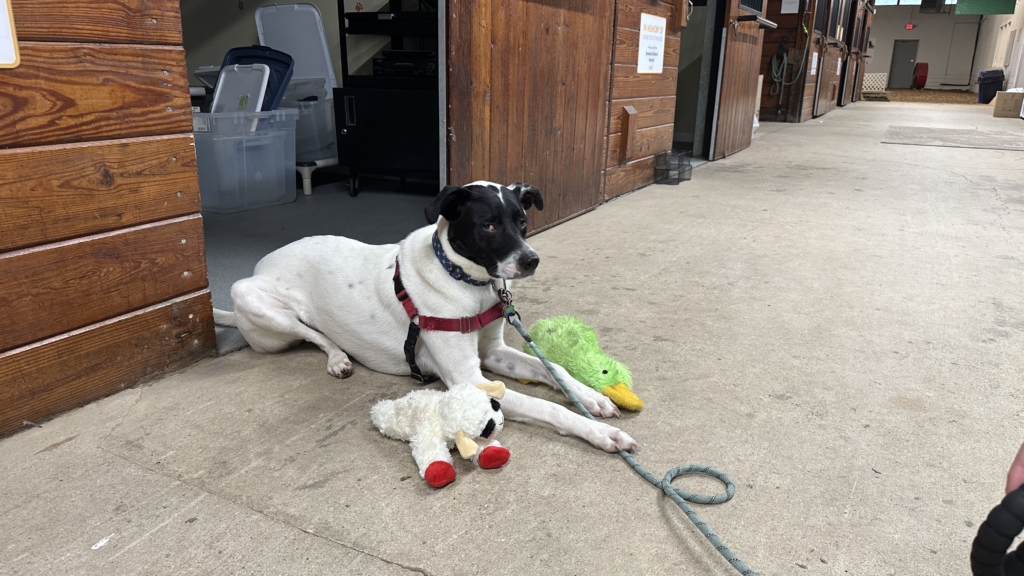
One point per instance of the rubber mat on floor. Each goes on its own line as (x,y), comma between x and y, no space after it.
(954,138)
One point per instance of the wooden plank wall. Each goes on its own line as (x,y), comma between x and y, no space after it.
(528,98)
(652,95)
(102,266)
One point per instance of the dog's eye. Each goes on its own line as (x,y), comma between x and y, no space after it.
(488,227)
(495,404)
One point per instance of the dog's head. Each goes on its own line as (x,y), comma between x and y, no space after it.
(487,225)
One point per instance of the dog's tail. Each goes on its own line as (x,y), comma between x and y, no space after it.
(224,318)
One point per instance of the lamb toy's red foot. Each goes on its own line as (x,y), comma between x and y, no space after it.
(439,474)
(493,457)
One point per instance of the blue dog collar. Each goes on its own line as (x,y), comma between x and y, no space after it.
(454,270)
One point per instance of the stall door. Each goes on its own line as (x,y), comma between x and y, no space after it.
(831,63)
(741,65)
(528,86)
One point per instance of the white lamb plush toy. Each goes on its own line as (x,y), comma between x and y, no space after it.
(432,421)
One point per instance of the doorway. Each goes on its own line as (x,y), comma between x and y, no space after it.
(691,88)
(392,195)
(904,57)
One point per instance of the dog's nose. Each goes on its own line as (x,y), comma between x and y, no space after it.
(529,262)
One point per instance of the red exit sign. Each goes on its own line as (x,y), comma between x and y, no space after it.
(910,26)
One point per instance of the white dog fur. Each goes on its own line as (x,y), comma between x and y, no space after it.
(338,294)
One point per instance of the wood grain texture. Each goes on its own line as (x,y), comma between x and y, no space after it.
(51,376)
(528,90)
(626,141)
(628,177)
(53,193)
(739,89)
(652,95)
(681,14)
(628,12)
(628,83)
(54,288)
(627,48)
(828,81)
(107,21)
(77,92)
(655,111)
(649,142)
(786,104)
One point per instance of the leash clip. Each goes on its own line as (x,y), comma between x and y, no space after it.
(506,298)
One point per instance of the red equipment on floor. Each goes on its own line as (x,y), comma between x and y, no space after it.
(920,75)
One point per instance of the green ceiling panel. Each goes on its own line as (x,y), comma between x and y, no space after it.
(984,7)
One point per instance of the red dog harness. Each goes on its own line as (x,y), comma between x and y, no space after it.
(464,325)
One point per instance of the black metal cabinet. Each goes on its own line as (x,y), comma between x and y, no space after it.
(387,131)
(389,124)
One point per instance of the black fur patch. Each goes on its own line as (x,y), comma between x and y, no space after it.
(486,227)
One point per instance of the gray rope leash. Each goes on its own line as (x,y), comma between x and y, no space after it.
(680,497)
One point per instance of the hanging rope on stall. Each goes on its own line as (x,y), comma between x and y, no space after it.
(780,60)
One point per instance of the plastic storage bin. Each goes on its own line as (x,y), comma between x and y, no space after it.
(314,131)
(300,88)
(246,159)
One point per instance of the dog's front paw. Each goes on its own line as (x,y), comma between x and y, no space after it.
(598,404)
(339,366)
(610,438)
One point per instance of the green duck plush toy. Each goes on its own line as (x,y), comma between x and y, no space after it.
(567,341)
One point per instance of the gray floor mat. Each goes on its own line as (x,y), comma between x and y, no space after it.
(954,138)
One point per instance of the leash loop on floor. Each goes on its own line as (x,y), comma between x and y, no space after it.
(679,496)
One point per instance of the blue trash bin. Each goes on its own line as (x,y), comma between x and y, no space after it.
(989,82)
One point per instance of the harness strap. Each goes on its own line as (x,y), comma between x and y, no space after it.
(464,325)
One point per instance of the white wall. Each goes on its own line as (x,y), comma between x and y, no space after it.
(998,30)
(946,43)
(212,27)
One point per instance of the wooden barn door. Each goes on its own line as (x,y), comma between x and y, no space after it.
(828,77)
(741,65)
(528,85)
(102,265)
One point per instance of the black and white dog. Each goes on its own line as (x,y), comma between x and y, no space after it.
(340,294)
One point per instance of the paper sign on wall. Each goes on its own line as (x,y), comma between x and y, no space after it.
(8,39)
(814,64)
(790,6)
(652,44)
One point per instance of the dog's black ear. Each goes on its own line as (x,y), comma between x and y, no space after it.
(449,203)
(528,195)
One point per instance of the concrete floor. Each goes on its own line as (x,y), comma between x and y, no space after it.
(836,323)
